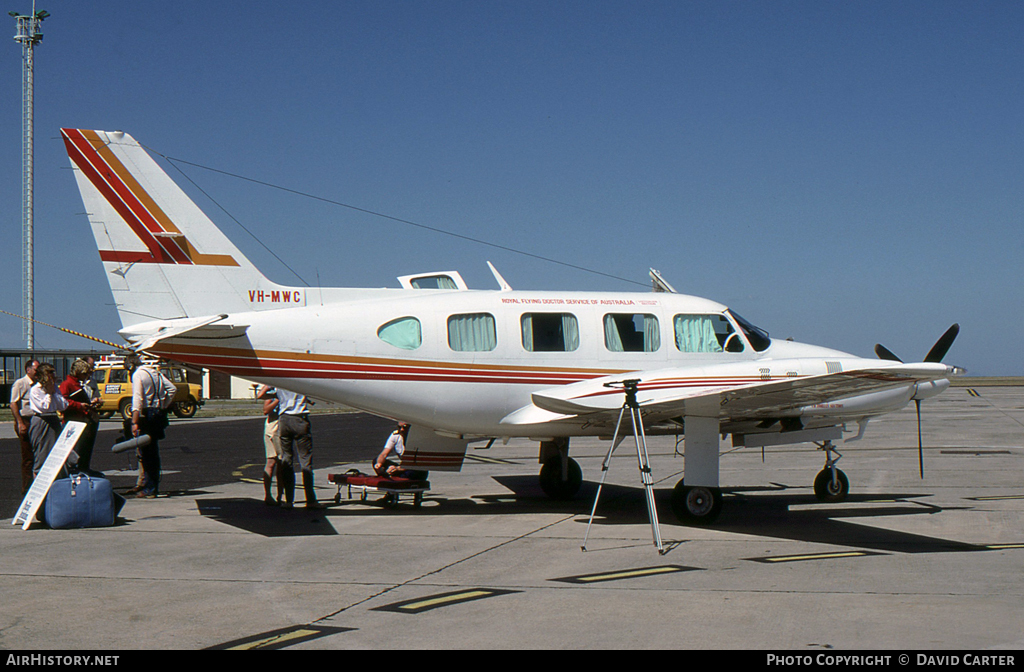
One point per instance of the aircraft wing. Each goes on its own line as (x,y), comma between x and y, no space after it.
(146,335)
(670,393)
(771,399)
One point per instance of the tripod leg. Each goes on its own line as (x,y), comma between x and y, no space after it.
(646,476)
(604,474)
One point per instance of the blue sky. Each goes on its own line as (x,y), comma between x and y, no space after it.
(843,173)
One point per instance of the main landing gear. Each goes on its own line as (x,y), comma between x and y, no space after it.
(696,505)
(560,475)
(831,484)
(561,478)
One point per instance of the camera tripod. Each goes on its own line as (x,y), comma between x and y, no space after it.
(629,388)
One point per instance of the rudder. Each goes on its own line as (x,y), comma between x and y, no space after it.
(163,257)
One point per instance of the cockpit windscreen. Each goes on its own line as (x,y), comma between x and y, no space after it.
(757,336)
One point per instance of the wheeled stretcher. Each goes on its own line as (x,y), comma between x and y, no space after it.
(393,488)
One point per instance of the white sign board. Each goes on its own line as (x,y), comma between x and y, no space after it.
(54,463)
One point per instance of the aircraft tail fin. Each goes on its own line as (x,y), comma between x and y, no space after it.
(163,257)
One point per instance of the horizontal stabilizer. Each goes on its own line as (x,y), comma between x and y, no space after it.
(146,335)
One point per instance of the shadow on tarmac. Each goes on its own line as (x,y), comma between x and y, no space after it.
(252,515)
(773,512)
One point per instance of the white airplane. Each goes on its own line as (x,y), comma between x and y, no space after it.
(466,365)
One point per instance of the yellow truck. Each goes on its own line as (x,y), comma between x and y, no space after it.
(115,388)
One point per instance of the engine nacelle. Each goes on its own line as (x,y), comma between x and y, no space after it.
(929,390)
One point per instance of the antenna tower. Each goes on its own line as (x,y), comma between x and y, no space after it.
(29,36)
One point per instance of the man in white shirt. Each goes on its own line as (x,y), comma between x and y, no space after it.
(296,442)
(394,446)
(22,414)
(151,394)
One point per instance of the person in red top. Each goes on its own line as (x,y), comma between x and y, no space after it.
(81,409)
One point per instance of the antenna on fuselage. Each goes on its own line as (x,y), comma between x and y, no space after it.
(660,284)
(502,283)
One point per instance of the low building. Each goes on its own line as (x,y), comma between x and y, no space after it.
(216,385)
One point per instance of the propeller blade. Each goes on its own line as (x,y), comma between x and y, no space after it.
(885,353)
(920,444)
(942,345)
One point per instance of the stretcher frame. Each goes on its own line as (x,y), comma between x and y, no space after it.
(392,496)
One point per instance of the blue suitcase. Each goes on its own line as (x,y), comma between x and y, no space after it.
(81,501)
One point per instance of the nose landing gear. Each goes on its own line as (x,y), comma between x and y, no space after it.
(831,484)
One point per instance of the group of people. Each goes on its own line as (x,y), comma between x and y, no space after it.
(287,439)
(41,407)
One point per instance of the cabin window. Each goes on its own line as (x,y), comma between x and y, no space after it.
(118,376)
(404,333)
(472,333)
(703,333)
(434,282)
(550,332)
(628,332)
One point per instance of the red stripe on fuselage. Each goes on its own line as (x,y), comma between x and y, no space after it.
(276,367)
(282,367)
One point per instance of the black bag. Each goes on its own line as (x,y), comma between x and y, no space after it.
(152,421)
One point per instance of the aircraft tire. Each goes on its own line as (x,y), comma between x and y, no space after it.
(551,479)
(825,491)
(696,505)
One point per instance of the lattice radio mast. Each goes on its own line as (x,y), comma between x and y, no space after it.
(29,36)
